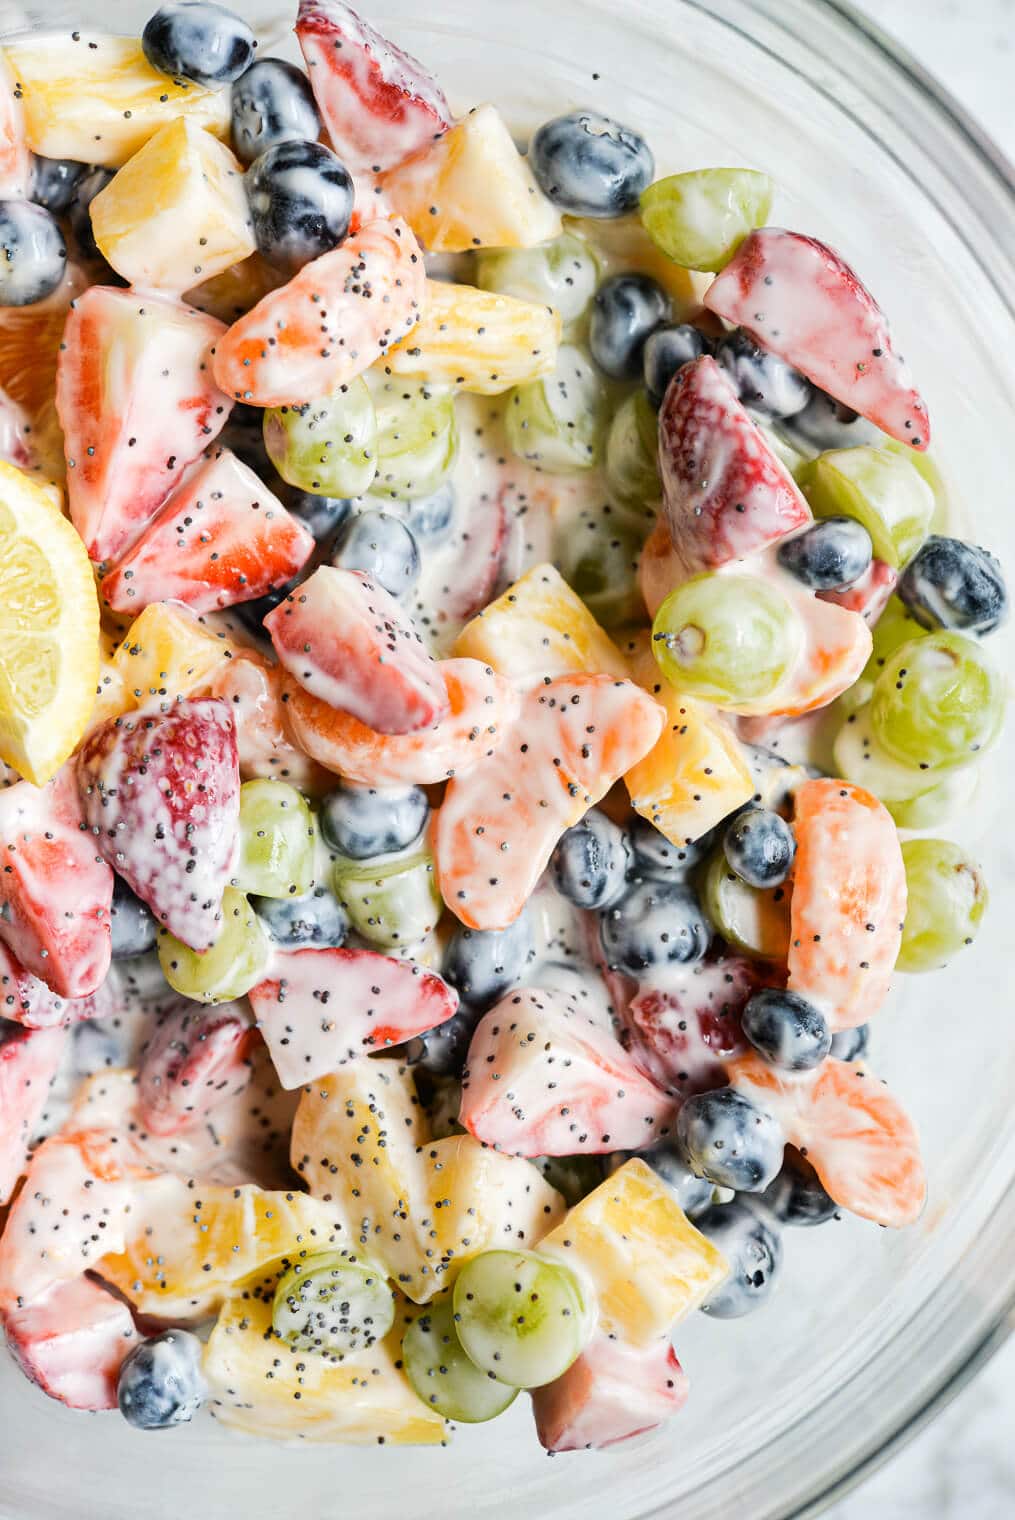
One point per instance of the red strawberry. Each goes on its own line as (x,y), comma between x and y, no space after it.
(725,494)
(29,1002)
(323,1008)
(347,641)
(800,300)
(72,1342)
(688,1028)
(329,323)
(473,570)
(28,1063)
(161,794)
(137,402)
(612,1392)
(197,1057)
(221,538)
(379,105)
(869,595)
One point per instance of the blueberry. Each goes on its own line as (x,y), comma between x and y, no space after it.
(787,1029)
(754,1251)
(796,1197)
(99,1045)
(300,198)
(692,1193)
(55,182)
(574,1177)
(363,821)
(79,214)
(483,963)
(160,1382)
(431,517)
(759,846)
(133,927)
(626,310)
(193,39)
(825,423)
(851,1044)
(381,545)
(730,1140)
(829,555)
(656,856)
(668,349)
(951,584)
(33,254)
(243,435)
(443,1050)
(764,382)
(272,103)
(590,862)
(590,165)
(252,614)
(317,919)
(658,923)
(321,515)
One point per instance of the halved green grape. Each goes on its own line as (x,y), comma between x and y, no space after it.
(938,702)
(927,465)
(931,809)
(417,439)
(562,274)
(728,639)
(753,921)
(699,219)
(881,489)
(556,423)
(632,450)
(236,962)
(520,1318)
(443,1376)
(947,898)
(328,446)
(277,834)
(390,902)
(895,627)
(334,1302)
(859,757)
(600,562)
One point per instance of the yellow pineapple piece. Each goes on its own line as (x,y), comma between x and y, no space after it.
(633,1243)
(477,340)
(472,188)
(175,212)
(168,653)
(257,1382)
(95,97)
(539,627)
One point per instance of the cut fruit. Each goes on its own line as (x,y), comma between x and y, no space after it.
(882,489)
(195,1059)
(521,1319)
(476,340)
(699,219)
(72,1343)
(28,1063)
(756,922)
(393,904)
(15,158)
(167,653)
(443,1376)
(266,747)
(611,1393)
(30,339)
(333,1302)
(227,969)
(869,595)
(836,647)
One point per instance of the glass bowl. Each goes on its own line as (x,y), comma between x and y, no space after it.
(869,1331)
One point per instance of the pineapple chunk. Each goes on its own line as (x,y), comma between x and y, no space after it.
(539,627)
(472,188)
(167,653)
(256,1382)
(97,98)
(647,1264)
(477,340)
(176,212)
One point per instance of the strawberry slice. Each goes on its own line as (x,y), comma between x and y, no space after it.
(869,595)
(378,103)
(347,641)
(323,1008)
(264,743)
(495,833)
(689,1028)
(612,1392)
(545,1078)
(799,299)
(473,568)
(197,1058)
(329,323)
(137,402)
(161,794)
(29,1002)
(15,158)
(725,494)
(73,1342)
(221,538)
(28,1063)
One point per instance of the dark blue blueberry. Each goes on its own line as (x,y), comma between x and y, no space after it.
(692,1193)
(574,1177)
(590,862)
(796,1197)
(730,1140)
(443,1050)
(590,165)
(80,216)
(300,197)
(431,517)
(759,846)
(951,584)
(656,856)
(252,614)
(381,545)
(787,1029)
(753,1249)
(317,919)
(825,423)
(658,923)
(764,382)
(668,349)
(272,103)
(851,1044)
(626,310)
(321,515)
(33,254)
(364,821)
(133,927)
(193,39)
(55,182)
(483,963)
(829,555)
(160,1382)
(244,437)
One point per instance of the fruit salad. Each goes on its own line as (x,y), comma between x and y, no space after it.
(485,665)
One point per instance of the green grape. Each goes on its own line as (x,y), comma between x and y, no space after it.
(556,423)
(756,922)
(795,462)
(926,465)
(277,833)
(938,702)
(574,1177)
(881,489)
(859,757)
(520,1317)
(562,274)
(236,962)
(334,1302)
(390,901)
(700,219)
(328,446)
(895,627)
(632,464)
(947,898)
(417,439)
(934,807)
(601,563)
(729,639)
(443,1376)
